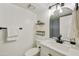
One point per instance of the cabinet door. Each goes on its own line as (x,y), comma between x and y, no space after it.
(45,51)
(55,53)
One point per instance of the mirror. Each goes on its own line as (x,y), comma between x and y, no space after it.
(54,25)
(56,22)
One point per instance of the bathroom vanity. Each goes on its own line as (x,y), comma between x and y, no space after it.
(46,51)
(51,48)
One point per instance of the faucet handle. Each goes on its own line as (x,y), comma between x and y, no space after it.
(72,41)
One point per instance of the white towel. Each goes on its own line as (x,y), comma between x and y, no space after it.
(12,31)
(75,24)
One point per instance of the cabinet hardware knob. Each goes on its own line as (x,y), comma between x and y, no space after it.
(39,47)
(50,54)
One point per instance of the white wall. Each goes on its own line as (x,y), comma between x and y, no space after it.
(46,17)
(13,16)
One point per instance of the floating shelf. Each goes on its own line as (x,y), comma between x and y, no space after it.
(41,33)
(40,24)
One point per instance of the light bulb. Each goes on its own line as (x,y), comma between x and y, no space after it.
(59,8)
(51,12)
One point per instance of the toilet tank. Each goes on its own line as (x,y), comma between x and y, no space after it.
(37,43)
(38,40)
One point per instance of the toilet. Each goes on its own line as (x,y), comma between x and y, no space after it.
(34,51)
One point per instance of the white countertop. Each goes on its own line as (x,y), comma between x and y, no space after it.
(65,48)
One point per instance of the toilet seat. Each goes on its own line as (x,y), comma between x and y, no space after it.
(32,52)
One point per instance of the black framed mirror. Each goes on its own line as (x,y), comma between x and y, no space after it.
(55,21)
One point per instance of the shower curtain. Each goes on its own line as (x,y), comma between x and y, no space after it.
(75,24)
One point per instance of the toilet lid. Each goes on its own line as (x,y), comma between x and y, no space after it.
(32,52)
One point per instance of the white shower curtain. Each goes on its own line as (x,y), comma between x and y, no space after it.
(75,24)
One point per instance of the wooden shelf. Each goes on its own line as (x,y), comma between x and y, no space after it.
(40,24)
(41,33)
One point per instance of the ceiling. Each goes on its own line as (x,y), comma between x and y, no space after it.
(35,7)
(39,8)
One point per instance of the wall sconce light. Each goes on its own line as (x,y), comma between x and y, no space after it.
(76,5)
(58,6)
